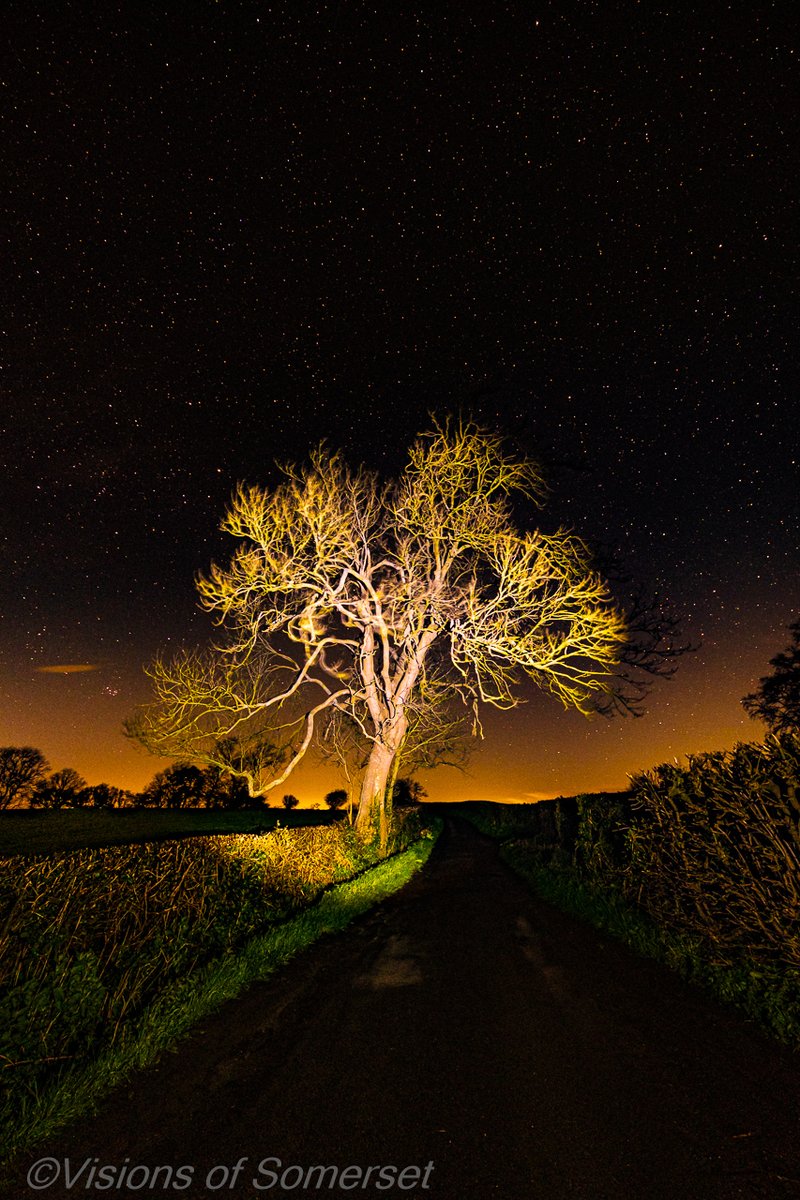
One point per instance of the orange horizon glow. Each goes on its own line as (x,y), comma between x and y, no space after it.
(568,756)
(534,752)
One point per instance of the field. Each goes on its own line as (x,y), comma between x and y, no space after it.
(35,832)
(110,952)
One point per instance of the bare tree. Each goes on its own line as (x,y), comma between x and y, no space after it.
(438,735)
(776,700)
(377,605)
(22,768)
(59,790)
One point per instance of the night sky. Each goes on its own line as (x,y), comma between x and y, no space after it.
(231,230)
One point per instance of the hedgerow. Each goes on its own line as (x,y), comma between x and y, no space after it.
(89,939)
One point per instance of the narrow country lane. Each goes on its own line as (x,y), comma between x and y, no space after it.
(466,1024)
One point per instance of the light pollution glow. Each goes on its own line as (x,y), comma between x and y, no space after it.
(531,753)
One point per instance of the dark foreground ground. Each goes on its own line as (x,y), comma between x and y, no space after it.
(465,1024)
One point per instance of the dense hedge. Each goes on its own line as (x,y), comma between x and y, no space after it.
(713,850)
(88,939)
(710,852)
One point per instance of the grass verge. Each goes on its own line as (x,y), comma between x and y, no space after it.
(768,996)
(78,1090)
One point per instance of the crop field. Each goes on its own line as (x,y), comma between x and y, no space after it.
(35,832)
(108,953)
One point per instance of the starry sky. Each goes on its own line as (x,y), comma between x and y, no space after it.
(231,230)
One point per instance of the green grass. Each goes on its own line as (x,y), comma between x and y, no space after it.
(89,938)
(766,994)
(31,831)
(757,977)
(80,1088)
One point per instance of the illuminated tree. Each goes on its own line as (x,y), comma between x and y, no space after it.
(438,734)
(378,605)
(22,768)
(776,701)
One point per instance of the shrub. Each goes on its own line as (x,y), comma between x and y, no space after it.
(714,849)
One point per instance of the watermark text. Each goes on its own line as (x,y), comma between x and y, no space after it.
(258,1176)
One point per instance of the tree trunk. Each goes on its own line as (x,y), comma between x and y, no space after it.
(372,817)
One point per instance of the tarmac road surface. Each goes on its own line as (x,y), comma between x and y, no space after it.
(464,1041)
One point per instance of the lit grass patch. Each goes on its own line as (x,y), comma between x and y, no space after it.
(89,941)
(45,1107)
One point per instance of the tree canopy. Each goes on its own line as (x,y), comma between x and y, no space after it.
(407,792)
(776,701)
(60,789)
(336,799)
(374,608)
(184,785)
(22,769)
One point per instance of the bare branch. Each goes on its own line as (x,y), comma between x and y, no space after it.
(388,608)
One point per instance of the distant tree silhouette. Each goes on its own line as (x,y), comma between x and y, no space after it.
(21,769)
(235,761)
(407,792)
(776,701)
(184,785)
(61,789)
(223,790)
(290,802)
(104,795)
(336,798)
(181,785)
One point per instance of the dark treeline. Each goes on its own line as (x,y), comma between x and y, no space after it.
(26,781)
